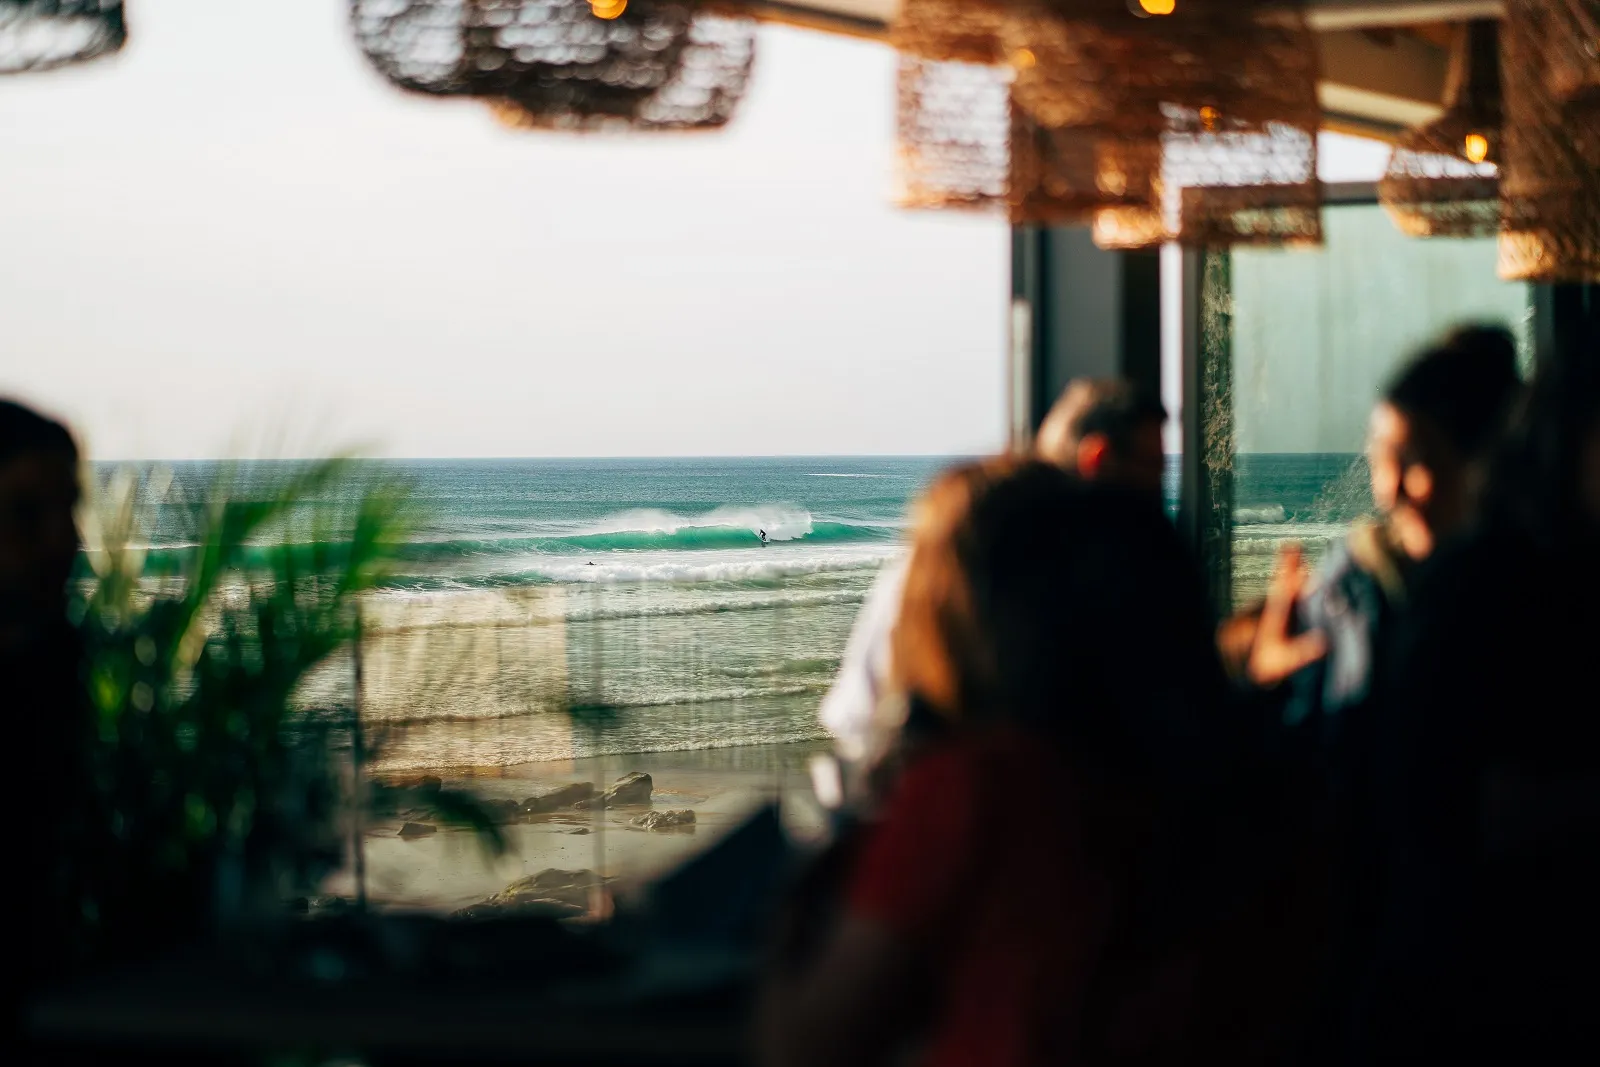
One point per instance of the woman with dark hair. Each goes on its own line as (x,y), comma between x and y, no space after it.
(1074,871)
(1489,762)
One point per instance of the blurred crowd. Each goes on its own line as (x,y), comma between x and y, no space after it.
(1356,823)
(1083,820)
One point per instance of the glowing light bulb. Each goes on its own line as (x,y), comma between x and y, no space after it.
(607,9)
(1023,59)
(1209,117)
(1158,7)
(1476,147)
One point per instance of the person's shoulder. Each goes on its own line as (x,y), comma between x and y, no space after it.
(955,763)
(1332,577)
(1359,568)
(964,760)
(1480,566)
(943,762)
(891,577)
(1338,561)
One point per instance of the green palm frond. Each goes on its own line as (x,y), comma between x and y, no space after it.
(196,659)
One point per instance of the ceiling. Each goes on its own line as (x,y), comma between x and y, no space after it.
(1383,61)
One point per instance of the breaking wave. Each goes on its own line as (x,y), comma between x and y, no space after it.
(1262,516)
(662,531)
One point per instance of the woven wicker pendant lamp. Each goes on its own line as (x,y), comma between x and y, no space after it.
(1550,174)
(702,92)
(953,134)
(1228,101)
(566,64)
(1567,34)
(1188,120)
(38,35)
(1443,178)
(953,114)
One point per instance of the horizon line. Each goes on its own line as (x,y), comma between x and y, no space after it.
(635,458)
(499,459)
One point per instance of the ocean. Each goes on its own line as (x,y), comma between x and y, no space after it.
(1310,498)
(549,610)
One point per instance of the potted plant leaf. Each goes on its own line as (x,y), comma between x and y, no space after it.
(219,789)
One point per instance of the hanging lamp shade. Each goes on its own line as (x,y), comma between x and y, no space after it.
(1225,99)
(1197,124)
(1550,171)
(953,134)
(565,64)
(38,35)
(967,139)
(1443,178)
(1567,34)
(952,106)
(703,90)
(963,141)
(960,142)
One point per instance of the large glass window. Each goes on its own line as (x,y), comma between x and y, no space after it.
(599,370)
(1309,340)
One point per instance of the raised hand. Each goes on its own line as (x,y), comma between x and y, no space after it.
(1277,653)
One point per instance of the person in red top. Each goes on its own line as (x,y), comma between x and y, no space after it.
(1080,871)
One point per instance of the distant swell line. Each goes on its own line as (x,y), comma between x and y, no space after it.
(715,607)
(643,530)
(684,538)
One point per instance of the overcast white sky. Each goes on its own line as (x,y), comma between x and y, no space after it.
(235,239)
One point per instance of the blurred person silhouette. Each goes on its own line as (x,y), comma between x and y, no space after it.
(1100,430)
(40,683)
(38,531)
(1082,868)
(1488,763)
(1429,439)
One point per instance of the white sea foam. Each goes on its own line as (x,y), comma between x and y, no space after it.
(470,609)
(782,522)
(717,606)
(1272,513)
(743,567)
(1267,542)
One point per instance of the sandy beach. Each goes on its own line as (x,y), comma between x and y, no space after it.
(450,869)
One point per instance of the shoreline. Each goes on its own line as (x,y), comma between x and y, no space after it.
(474,776)
(448,869)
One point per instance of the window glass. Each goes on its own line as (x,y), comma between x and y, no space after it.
(1315,334)
(653,406)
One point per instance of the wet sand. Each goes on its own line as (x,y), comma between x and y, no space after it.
(451,869)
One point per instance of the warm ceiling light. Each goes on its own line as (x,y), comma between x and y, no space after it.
(1158,7)
(1477,147)
(607,9)
(1023,59)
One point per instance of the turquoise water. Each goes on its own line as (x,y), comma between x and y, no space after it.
(658,520)
(640,588)
(640,592)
